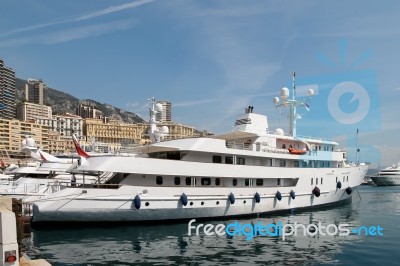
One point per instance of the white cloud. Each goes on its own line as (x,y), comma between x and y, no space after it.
(86,31)
(191,103)
(71,34)
(79,17)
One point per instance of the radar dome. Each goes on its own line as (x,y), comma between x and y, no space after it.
(284,93)
(165,129)
(276,100)
(23,144)
(310,92)
(279,131)
(159,107)
(30,142)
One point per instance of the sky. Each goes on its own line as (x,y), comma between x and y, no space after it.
(212,59)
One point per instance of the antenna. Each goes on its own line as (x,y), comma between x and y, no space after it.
(357,149)
(292,104)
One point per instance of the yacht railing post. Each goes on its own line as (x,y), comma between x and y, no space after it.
(83,176)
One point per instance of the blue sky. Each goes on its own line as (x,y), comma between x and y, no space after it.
(213,58)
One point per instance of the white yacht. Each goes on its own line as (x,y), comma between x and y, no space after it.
(244,172)
(389,176)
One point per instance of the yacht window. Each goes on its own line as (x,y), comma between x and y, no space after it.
(321,180)
(259,182)
(206,181)
(240,160)
(159,180)
(282,163)
(229,159)
(188,181)
(234,182)
(336,179)
(216,159)
(304,164)
(283,146)
(247,182)
(312,181)
(332,148)
(279,181)
(217,181)
(316,181)
(296,163)
(347,178)
(177,180)
(343,179)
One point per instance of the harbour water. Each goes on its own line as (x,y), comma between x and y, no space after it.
(170,244)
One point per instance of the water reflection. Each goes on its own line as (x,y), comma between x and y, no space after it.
(171,245)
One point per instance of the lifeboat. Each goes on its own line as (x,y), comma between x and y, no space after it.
(299,152)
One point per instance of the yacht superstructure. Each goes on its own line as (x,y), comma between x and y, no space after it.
(389,176)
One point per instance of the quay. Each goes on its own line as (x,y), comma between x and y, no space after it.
(13,227)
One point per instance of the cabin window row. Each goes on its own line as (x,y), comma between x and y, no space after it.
(228,159)
(189,181)
(207,181)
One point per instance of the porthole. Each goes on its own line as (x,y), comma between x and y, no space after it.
(217,202)
(202,203)
(244,202)
(191,203)
(147,204)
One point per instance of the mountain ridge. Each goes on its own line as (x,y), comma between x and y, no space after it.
(62,102)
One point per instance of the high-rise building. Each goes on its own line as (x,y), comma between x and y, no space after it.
(7,92)
(36,91)
(165,115)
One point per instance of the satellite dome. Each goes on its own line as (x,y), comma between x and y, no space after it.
(30,142)
(311,92)
(279,131)
(159,107)
(284,93)
(165,129)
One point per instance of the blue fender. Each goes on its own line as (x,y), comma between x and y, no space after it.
(292,194)
(183,199)
(136,201)
(257,197)
(278,196)
(231,198)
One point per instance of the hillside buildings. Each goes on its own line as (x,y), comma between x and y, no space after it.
(27,111)
(13,131)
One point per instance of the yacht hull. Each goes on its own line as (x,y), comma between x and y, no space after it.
(164,203)
(386,180)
